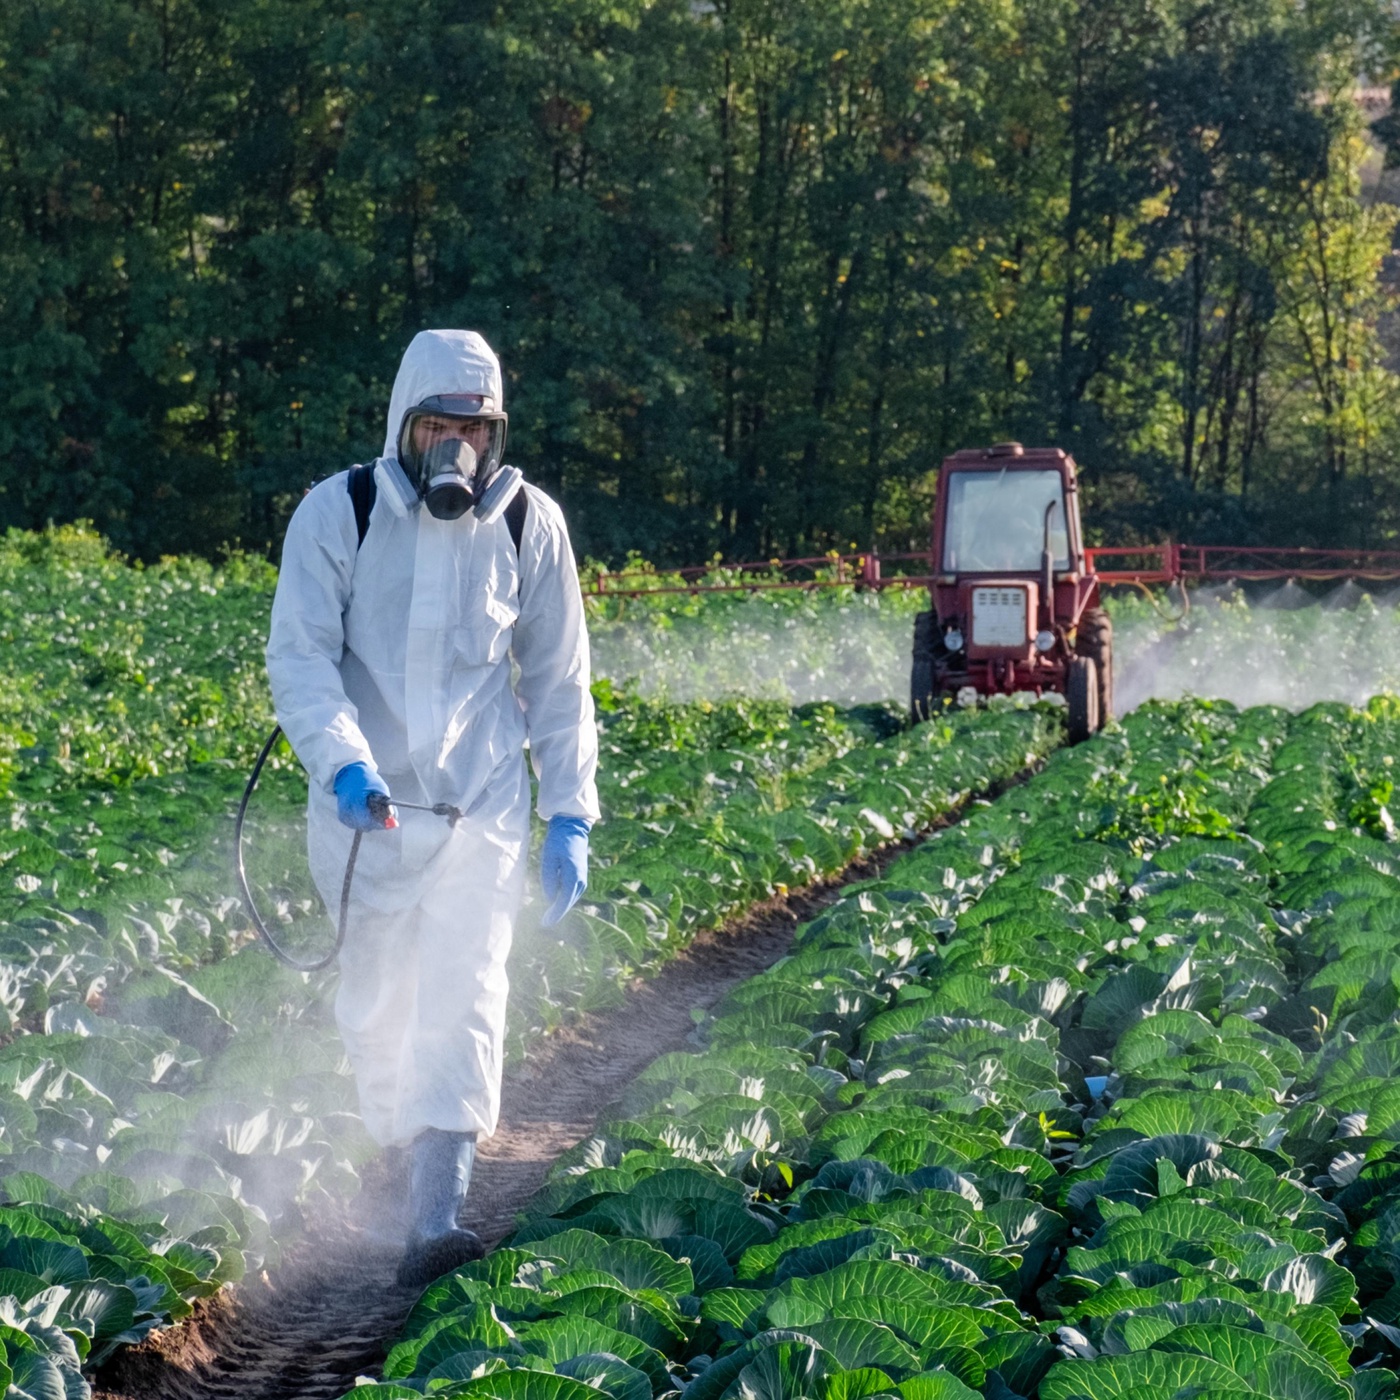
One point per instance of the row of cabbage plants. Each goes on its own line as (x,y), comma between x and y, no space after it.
(676,856)
(1091,1096)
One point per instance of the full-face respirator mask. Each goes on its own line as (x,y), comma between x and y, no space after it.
(450,447)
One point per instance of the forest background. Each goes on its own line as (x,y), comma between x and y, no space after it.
(753,266)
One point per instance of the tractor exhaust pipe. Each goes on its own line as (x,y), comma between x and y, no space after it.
(1047,575)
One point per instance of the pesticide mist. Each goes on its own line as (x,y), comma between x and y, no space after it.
(833,644)
(1278,645)
(1282,646)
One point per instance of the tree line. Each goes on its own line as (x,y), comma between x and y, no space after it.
(753,266)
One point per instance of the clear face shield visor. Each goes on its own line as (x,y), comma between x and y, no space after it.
(451,446)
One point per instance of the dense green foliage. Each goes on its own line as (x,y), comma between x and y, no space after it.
(1091,1096)
(752,268)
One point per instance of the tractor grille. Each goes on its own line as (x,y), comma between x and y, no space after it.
(999,617)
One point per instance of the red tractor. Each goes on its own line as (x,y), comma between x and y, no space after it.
(1015,606)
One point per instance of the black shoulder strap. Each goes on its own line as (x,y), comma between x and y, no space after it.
(362,493)
(515,518)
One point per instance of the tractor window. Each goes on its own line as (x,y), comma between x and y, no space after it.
(996,521)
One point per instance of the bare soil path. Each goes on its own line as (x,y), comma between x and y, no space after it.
(331,1311)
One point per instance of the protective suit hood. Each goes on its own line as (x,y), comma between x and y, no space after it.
(441,362)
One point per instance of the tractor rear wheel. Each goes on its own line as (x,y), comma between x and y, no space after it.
(1094,639)
(922,674)
(1082,698)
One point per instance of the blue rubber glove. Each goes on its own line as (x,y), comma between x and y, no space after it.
(354,785)
(564,865)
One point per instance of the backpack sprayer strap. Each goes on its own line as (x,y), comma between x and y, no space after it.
(363,490)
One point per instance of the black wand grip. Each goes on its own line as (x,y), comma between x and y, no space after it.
(381,808)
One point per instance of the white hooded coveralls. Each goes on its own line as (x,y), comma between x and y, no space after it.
(398,654)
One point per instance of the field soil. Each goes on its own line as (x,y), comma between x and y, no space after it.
(330,1312)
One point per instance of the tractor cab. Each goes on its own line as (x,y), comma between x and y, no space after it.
(1014,605)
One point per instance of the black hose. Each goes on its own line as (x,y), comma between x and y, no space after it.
(248,902)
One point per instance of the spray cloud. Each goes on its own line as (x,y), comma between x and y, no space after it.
(847,648)
(1285,647)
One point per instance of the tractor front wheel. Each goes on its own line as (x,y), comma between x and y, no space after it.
(1094,639)
(1082,699)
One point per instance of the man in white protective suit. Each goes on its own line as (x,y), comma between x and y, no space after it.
(390,661)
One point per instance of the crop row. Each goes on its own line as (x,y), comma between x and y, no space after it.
(679,867)
(97,845)
(162,1110)
(1093,1095)
(81,922)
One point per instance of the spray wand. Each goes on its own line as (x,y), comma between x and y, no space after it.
(382,809)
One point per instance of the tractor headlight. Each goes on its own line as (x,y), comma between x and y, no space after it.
(1044,641)
(953,639)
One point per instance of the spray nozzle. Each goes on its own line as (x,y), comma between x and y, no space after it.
(385,809)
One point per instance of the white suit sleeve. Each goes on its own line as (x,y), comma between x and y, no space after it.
(307,639)
(551,649)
